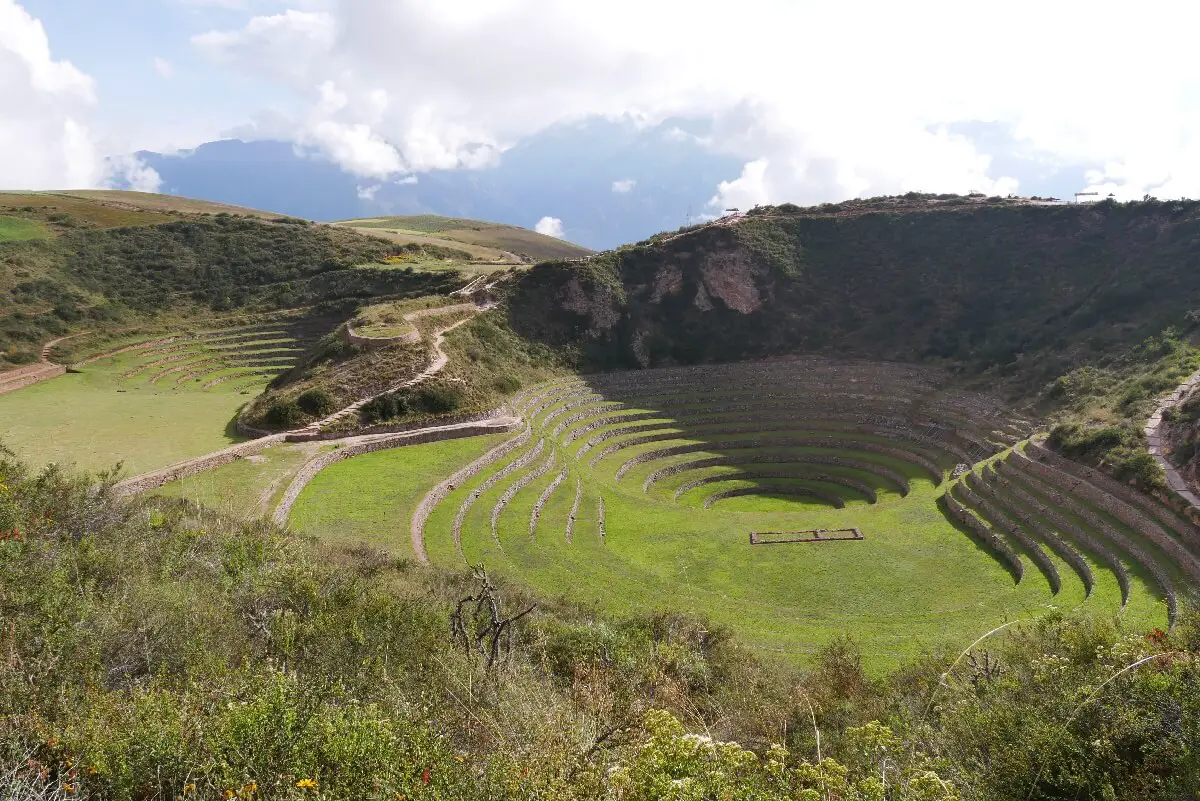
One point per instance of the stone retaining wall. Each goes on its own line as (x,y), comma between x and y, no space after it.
(984,535)
(149,481)
(318,464)
(986,488)
(543,499)
(1186,531)
(988,510)
(395,428)
(1077,533)
(518,485)
(1127,514)
(1064,501)
(495,478)
(782,442)
(574,509)
(799,492)
(370,343)
(829,478)
(880,471)
(44,373)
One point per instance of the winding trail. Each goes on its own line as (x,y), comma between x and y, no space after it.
(31,374)
(1159,447)
(440,360)
(346,446)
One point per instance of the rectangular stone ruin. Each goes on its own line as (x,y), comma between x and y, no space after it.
(808,535)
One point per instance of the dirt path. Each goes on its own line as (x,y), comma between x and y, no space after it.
(209,461)
(31,374)
(1159,447)
(440,360)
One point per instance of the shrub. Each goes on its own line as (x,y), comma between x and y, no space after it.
(284,414)
(439,398)
(384,407)
(316,402)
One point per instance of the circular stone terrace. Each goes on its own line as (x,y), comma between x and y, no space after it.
(639,490)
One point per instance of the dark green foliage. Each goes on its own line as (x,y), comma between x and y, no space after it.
(316,402)
(437,398)
(285,414)
(156,649)
(384,407)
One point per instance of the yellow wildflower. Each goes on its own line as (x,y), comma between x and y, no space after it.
(189,788)
(307,784)
(249,788)
(228,794)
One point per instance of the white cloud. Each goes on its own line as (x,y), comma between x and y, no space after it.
(129,172)
(821,101)
(624,186)
(368,193)
(43,131)
(550,226)
(406,180)
(164,68)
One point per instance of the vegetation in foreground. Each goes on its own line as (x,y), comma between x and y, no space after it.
(158,650)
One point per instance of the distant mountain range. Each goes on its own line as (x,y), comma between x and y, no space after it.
(609,182)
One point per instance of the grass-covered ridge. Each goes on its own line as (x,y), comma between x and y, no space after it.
(160,650)
(485,241)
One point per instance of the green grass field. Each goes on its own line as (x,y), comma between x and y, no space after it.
(163,401)
(370,498)
(249,487)
(94,420)
(916,582)
(15,229)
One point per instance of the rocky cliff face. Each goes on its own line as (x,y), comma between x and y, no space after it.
(1009,286)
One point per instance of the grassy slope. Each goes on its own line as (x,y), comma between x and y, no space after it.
(335,508)
(914,583)
(85,419)
(248,487)
(14,229)
(163,203)
(492,239)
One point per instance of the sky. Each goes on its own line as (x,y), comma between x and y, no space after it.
(817,101)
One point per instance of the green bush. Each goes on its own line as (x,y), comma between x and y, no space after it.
(285,414)
(316,402)
(439,398)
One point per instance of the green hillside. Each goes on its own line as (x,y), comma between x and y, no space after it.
(483,240)
(853,501)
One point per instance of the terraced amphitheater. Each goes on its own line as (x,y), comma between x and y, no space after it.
(238,355)
(629,489)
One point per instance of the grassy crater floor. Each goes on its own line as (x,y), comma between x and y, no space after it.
(640,492)
(151,402)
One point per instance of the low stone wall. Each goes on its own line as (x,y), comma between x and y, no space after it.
(543,499)
(370,343)
(1164,514)
(781,442)
(149,481)
(318,464)
(971,497)
(460,516)
(518,485)
(1077,533)
(44,372)
(1126,513)
(799,492)
(416,526)
(986,487)
(861,487)
(570,532)
(880,471)
(394,428)
(1052,479)
(981,533)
